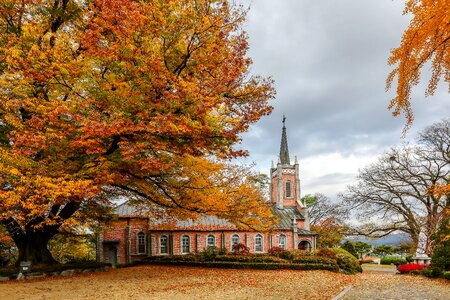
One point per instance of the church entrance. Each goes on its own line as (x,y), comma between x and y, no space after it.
(112,255)
(304,245)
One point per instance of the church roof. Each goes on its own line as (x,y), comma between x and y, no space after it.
(286,215)
(205,222)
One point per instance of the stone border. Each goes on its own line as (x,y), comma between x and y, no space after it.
(68,272)
(341,294)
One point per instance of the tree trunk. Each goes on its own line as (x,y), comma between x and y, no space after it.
(33,247)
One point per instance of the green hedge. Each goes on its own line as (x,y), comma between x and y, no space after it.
(248,265)
(392,260)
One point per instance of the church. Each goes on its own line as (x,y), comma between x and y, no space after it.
(134,236)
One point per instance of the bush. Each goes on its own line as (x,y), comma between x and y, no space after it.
(366,261)
(446,275)
(315,260)
(347,262)
(392,260)
(210,253)
(406,268)
(240,249)
(298,254)
(275,250)
(326,252)
(245,258)
(286,255)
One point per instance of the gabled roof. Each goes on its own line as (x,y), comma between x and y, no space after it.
(206,222)
(125,210)
(285,216)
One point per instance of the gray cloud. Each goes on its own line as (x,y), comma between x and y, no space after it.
(329,61)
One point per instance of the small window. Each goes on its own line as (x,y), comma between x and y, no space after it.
(210,241)
(258,243)
(185,244)
(282,241)
(235,239)
(141,242)
(288,189)
(163,247)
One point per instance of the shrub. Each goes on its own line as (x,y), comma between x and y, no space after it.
(406,268)
(315,260)
(392,260)
(441,256)
(326,252)
(246,258)
(366,261)
(347,262)
(275,250)
(240,249)
(446,275)
(286,255)
(298,254)
(210,253)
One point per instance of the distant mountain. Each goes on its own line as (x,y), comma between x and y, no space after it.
(393,239)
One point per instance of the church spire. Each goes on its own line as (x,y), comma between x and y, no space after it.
(284,151)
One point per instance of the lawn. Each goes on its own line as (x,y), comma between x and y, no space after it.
(172,282)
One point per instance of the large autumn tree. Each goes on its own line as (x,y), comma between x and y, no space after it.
(426,40)
(143,97)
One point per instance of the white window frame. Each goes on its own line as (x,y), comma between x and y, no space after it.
(259,236)
(188,244)
(166,244)
(138,244)
(280,238)
(231,240)
(286,189)
(207,240)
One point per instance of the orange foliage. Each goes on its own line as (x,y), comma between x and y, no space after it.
(148,97)
(426,39)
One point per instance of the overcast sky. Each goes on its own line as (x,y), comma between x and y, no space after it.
(329,62)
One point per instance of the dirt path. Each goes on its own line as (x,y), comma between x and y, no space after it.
(170,282)
(382,285)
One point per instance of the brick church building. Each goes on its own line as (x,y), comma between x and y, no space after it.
(133,235)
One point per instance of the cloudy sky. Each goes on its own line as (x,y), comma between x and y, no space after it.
(329,61)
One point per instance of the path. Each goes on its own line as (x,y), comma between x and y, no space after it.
(382,285)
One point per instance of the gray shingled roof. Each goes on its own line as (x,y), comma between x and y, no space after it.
(285,216)
(127,210)
(208,222)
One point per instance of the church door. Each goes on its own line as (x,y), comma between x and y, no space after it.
(304,245)
(112,255)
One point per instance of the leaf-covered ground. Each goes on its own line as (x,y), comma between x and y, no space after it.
(169,282)
(386,285)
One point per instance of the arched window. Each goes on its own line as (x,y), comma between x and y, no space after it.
(163,247)
(185,244)
(210,241)
(282,241)
(288,189)
(235,239)
(258,243)
(140,245)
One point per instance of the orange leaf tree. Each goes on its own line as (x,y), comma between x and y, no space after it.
(146,97)
(427,39)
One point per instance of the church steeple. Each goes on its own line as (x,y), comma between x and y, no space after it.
(284,151)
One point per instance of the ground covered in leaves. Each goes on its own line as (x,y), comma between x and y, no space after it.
(386,285)
(171,282)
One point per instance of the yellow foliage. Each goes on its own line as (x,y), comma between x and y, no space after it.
(426,39)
